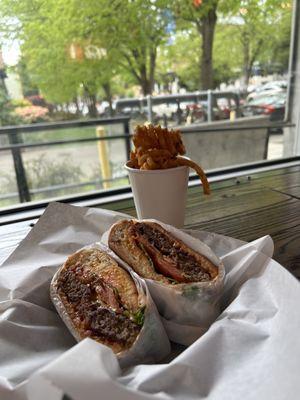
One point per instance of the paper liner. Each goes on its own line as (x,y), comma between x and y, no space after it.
(187,309)
(151,344)
(252,351)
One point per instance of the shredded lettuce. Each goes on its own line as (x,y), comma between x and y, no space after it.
(191,292)
(139,316)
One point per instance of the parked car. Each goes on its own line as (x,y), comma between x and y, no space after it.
(271,104)
(273,86)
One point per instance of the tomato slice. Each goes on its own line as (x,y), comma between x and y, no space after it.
(162,263)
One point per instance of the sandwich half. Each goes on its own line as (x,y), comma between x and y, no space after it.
(155,253)
(97,298)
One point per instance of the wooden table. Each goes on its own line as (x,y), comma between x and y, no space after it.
(245,208)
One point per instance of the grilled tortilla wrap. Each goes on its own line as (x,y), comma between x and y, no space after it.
(100,298)
(154,253)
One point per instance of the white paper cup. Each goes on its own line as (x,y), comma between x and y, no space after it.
(160,194)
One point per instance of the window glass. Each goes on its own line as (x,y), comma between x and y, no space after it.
(70,69)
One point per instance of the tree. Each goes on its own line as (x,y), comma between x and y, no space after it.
(132,35)
(128,32)
(133,31)
(276,52)
(202,14)
(259,26)
(29,88)
(227,53)
(5,109)
(46,37)
(7,116)
(181,58)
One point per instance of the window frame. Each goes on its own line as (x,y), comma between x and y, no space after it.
(26,211)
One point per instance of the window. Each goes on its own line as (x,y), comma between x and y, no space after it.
(76,77)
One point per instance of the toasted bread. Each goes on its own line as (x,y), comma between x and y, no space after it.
(155,253)
(100,298)
(124,245)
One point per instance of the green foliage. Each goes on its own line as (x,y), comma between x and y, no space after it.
(276,51)
(227,68)
(262,28)
(181,57)
(28,86)
(5,108)
(136,42)
(128,32)
(42,172)
(20,103)
(139,316)
(7,116)
(8,183)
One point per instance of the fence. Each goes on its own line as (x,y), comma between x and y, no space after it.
(208,100)
(16,144)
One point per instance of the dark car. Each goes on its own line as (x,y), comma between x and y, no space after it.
(271,104)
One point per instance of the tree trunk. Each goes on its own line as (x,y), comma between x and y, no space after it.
(152,69)
(77,105)
(108,96)
(246,59)
(91,103)
(207,31)
(144,80)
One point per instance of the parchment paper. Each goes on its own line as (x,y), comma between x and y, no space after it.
(251,352)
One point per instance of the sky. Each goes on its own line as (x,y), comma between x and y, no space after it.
(11,53)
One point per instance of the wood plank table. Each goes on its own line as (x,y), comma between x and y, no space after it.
(246,208)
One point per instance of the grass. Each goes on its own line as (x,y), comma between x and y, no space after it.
(69,134)
(118,182)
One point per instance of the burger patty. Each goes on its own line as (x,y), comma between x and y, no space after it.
(169,257)
(107,324)
(94,306)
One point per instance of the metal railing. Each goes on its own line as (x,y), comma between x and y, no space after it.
(16,144)
(209,98)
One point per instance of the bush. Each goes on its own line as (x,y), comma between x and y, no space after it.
(20,103)
(7,116)
(8,183)
(42,172)
(32,114)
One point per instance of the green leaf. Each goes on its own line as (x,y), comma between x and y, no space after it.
(139,316)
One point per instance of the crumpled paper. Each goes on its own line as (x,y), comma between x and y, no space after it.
(187,309)
(251,351)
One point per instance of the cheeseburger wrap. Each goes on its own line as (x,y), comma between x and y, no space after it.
(184,276)
(97,298)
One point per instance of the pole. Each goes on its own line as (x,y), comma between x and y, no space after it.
(23,190)
(103,157)
(149,108)
(127,140)
(209,106)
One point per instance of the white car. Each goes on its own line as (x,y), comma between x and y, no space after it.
(273,86)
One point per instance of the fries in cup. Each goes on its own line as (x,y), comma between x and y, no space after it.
(160,148)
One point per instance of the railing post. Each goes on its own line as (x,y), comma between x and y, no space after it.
(127,140)
(149,108)
(209,106)
(178,113)
(23,190)
(165,119)
(238,107)
(103,157)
